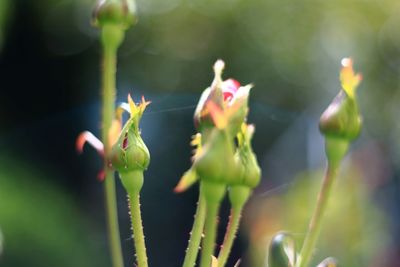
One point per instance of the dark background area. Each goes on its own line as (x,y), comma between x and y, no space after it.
(51,205)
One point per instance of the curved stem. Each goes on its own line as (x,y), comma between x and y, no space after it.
(138,236)
(230,235)
(108,105)
(196,233)
(316,220)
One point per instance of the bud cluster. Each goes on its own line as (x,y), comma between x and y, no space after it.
(223,154)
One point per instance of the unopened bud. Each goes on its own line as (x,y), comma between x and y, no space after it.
(119,12)
(342,117)
(130,153)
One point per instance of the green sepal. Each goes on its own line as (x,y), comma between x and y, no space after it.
(342,118)
(115,12)
(189,178)
(282,251)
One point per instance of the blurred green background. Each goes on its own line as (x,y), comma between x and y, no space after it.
(51,206)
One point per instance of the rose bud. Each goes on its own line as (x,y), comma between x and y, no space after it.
(117,12)
(251,170)
(129,155)
(216,160)
(342,117)
(282,251)
(228,96)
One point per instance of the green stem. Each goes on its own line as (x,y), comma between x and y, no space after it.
(210,234)
(108,92)
(112,220)
(316,220)
(213,195)
(196,233)
(137,227)
(230,235)
(238,196)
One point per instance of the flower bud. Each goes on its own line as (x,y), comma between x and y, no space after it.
(251,170)
(228,97)
(282,251)
(130,153)
(216,160)
(342,117)
(120,12)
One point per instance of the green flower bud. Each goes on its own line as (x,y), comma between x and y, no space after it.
(282,251)
(342,118)
(216,162)
(130,153)
(117,12)
(251,174)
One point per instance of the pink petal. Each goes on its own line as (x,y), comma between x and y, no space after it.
(230,88)
(88,137)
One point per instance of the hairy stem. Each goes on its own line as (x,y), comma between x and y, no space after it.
(316,219)
(108,93)
(138,236)
(210,234)
(230,235)
(196,233)
(238,196)
(213,194)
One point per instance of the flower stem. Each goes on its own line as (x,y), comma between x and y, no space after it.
(110,46)
(112,220)
(138,236)
(238,196)
(196,233)
(213,194)
(231,230)
(316,220)
(210,234)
